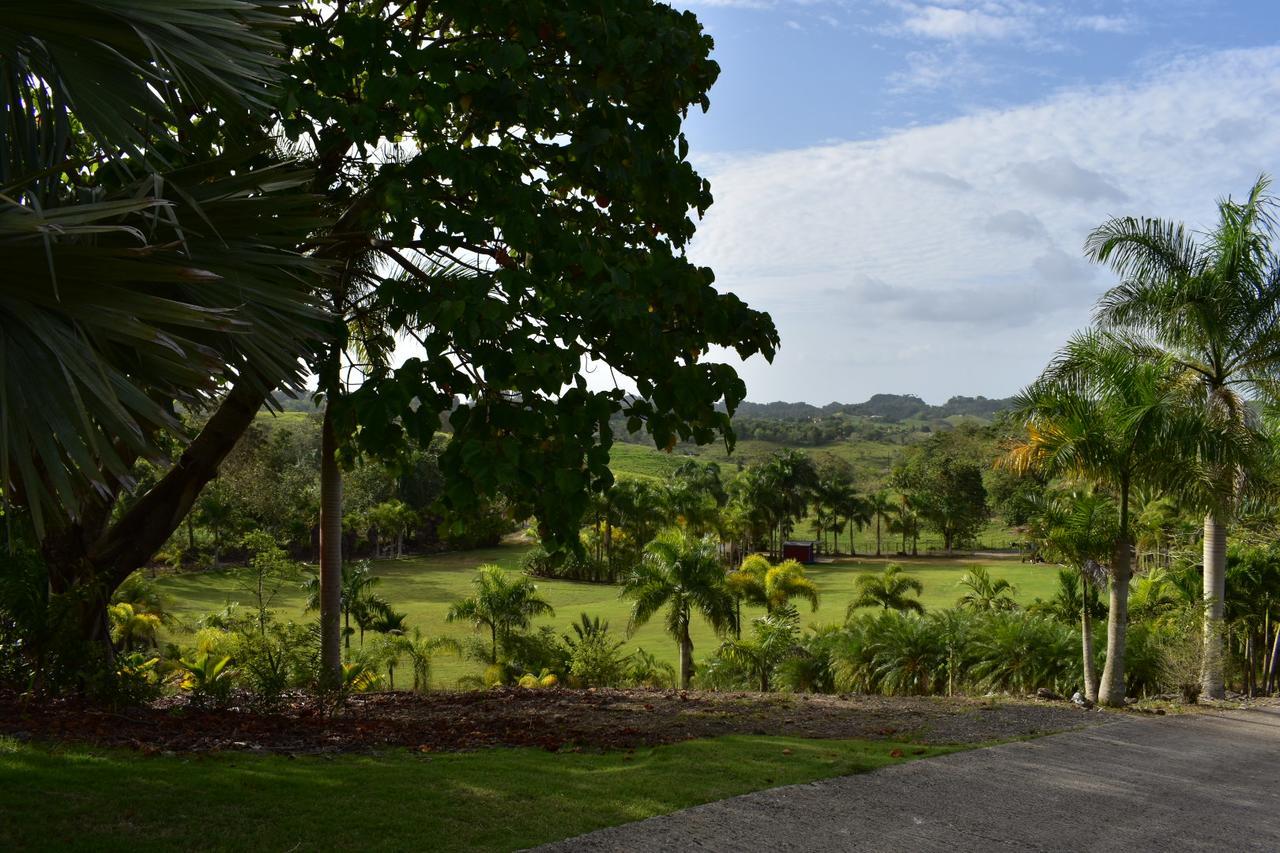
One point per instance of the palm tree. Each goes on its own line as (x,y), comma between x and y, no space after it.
(887,590)
(879,505)
(1213,308)
(984,594)
(774,640)
(421,651)
(357,599)
(1078,529)
(856,511)
(772,587)
(683,576)
(133,628)
(150,266)
(1102,415)
(503,603)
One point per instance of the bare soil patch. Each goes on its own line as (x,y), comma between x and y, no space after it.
(552,719)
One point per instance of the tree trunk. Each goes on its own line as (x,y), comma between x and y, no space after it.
(1215,582)
(330,556)
(877,534)
(1111,690)
(1275,662)
(686,657)
(1086,644)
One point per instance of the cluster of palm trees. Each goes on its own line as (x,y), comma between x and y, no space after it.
(1164,395)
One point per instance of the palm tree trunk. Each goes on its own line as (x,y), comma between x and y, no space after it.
(1086,645)
(330,556)
(1111,690)
(686,657)
(1275,661)
(877,534)
(1215,582)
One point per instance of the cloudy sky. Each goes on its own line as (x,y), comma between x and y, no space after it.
(906,186)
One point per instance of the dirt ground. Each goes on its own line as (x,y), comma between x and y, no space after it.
(553,719)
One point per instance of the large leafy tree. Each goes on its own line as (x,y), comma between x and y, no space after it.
(1103,416)
(947,488)
(1212,306)
(681,577)
(148,231)
(514,196)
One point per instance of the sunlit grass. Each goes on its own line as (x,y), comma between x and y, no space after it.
(424,587)
(498,799)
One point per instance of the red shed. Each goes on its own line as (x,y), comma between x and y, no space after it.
(801,552)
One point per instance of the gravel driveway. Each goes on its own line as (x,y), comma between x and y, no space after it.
(1203,781)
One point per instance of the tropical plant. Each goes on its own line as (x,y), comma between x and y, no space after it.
(358,601)
(1019,652)
(645,670)
(1101,415)
(984,593)
(772,587)
(148,229)
(681,576)
(1212,308)
(209,678)
(132,629)
(773,641)
(421,651)
(879,505)
(503,603)
(889,590)
(595,658)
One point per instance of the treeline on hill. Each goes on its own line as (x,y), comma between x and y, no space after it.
(890,418)
(945,485)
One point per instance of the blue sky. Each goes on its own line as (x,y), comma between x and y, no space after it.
(905,186)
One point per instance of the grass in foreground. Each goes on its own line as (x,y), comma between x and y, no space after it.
(499,799)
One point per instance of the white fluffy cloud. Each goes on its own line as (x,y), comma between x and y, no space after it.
(946,259)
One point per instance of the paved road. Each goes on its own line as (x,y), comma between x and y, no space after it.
(1194,782)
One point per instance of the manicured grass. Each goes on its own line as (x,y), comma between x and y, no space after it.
(499,799)
(424,587)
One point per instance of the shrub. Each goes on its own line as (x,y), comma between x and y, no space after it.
(208,678)
(537,562)
(645,670)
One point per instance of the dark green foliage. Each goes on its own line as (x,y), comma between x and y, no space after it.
(537,214)
(538,563)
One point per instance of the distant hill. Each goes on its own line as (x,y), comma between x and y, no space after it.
(889,407)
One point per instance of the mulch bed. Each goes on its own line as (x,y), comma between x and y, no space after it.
(553,719)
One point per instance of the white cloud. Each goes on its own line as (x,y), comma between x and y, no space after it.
(990,21)
(947,259)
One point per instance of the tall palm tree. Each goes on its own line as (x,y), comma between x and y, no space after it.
(1102,415)
(1078,529)
(889,590)
(770,586)
(503,603)
(1213,307)
(857,512)
(984,593)
(681,576)
(880,505)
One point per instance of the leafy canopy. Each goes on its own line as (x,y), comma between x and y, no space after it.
(519,174)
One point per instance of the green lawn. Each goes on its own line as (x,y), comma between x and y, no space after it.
(424,587)
(499,799)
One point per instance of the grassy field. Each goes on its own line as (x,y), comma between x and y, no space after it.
(424,587)
(499,799)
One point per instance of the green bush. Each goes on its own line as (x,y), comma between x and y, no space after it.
(538,563)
